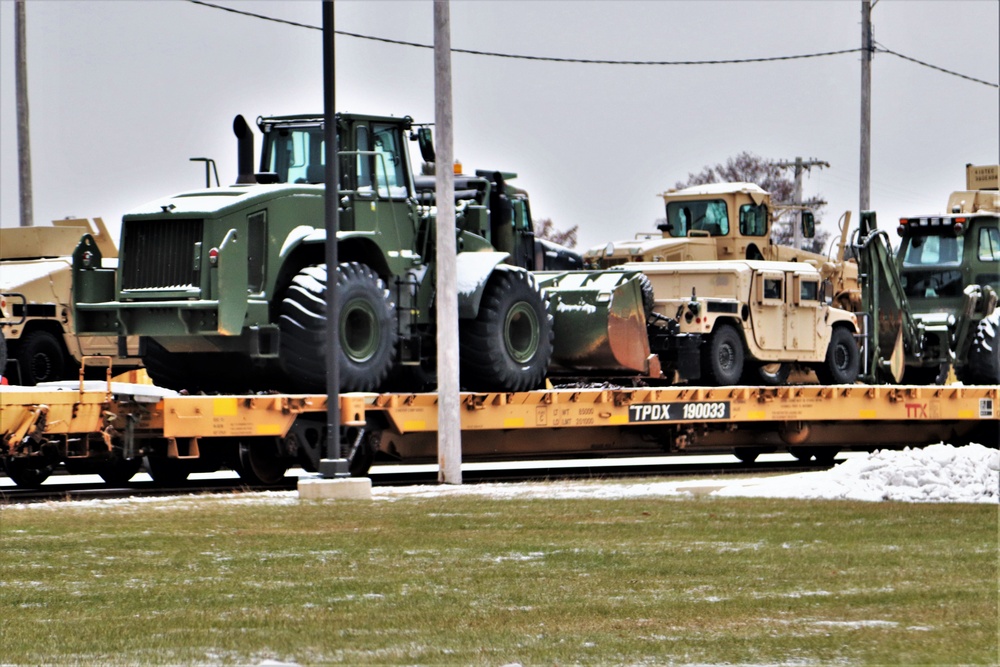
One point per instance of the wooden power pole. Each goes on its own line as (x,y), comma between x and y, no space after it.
(23,135)
(800,166)
(446,297)
(867,49)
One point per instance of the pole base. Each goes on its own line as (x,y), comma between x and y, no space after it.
(334,468)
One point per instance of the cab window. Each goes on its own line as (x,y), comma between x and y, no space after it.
(933,251)
(989,245)
(753,220)
(706,216)
(389,160)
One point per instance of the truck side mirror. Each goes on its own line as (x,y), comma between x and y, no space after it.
(426,142)
(808,225)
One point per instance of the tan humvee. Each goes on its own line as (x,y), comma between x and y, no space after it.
(35,286)
(755,320)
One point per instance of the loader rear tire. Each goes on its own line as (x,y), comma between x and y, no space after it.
(722,363)
(843,359)
(367,328)
(509,345)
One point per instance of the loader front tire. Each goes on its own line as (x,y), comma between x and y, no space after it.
(367,329)
(508,346)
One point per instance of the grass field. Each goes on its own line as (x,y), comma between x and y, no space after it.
(470,580)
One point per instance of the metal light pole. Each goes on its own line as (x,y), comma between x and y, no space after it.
(334,465)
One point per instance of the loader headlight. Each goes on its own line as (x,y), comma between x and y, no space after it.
(87,259)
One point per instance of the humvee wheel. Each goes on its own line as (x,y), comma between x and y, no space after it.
(509,345)
(41,358)
(722,363)
(28,472)
(261,463)
(367,328)
(843,359)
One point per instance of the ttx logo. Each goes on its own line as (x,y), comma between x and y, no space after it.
(916,410)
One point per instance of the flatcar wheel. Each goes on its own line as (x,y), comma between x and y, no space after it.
(29,471)
(118,470)
(166,471)
(747,454)
(261,462)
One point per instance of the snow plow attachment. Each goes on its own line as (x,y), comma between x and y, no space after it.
(599,319)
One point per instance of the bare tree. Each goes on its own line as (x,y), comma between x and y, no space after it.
(545,229)
(751,168)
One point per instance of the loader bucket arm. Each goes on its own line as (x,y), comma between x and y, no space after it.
(890,324)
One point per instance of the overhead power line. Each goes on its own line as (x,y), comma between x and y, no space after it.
(585,61)
(882,49)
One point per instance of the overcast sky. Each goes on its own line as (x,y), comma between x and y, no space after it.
(122,93)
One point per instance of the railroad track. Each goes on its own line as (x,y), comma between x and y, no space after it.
(388,476)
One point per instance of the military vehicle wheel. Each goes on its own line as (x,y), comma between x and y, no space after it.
(28,472)
(41,358)
(723,361)
(984,356)
(118,470)
(509,345)
(770,375)
(261,462)
(367,328)
(843,359)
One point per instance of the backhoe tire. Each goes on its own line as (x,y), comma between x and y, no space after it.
(984,355)
(367,329)
(508,346)
(41,358)
(843,359)
(724,357)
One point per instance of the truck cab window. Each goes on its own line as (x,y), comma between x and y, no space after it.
(989,245)
(389,161)
(753,220)
(705,216)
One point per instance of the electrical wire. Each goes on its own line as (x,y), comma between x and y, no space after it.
(587,61)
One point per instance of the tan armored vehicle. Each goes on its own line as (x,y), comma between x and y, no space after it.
(722,221)
(37,320)
(751,321)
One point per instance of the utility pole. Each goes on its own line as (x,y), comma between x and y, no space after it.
(334,464)
(800,165)
(23,136)
(867,49)
(449,407)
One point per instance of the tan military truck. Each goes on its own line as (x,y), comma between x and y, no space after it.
(752,321)
(722,221)
(35,286)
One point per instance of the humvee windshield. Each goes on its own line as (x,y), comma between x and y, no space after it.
(295,154)
(706,216)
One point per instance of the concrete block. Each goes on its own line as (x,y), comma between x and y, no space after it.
(351,488)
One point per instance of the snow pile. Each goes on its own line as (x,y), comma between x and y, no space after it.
(934,474)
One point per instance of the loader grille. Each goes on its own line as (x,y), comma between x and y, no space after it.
(160,255)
